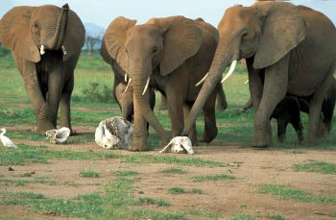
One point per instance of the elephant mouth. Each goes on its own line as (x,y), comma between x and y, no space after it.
(42,49)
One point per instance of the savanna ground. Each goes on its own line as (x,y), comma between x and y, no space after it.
(224,180)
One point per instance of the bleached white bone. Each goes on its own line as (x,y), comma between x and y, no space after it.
(59,136)
(179,144)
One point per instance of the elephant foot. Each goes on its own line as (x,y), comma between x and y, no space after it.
(221,107)
(43,127)
(262,142)
(139,144)
(209,136)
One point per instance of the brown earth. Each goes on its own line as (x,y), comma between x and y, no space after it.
(225,197)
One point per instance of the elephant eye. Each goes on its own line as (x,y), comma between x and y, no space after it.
(155,49)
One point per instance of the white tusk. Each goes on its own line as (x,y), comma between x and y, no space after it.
(146,87)
(128,84)
(42,50)
(64,50)
(232,68)
(126,77)
(246,82)
(202,80)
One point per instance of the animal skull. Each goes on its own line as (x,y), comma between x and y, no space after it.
(114,133)
(179,144)
(59,136)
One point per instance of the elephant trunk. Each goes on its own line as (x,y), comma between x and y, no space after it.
(142,106)
(223,57)
(57,40)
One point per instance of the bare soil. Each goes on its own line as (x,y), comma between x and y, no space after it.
(225,197)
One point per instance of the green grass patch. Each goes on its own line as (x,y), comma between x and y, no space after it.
(151,201)
(180,190)
(24,182)
(188,161)
(316,167)
(208,215)
(213,178)
(283,192)
(177,190)
(126,173)
(152,214)
(41,154)
(89,174)
(174,171)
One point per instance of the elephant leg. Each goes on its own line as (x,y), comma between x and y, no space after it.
(315,106)
(275,88)
(297,125)
(282,126)
(38,101)
(255,77)
(210,128)
(127,105)
(55,89)
(193,132)
(65,104)
(221,98)
(175,110)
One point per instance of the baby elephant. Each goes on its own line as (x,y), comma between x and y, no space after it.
(288,111)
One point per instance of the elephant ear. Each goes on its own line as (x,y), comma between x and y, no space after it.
(182,39)
(15,33)
(282,30)
(115,38)
(74,35)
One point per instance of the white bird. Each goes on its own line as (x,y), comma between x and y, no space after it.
(5,140)
(179,144)
(59,136)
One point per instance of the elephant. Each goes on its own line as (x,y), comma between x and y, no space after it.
(123,96)
(282,43)
(46,43)
(170,55)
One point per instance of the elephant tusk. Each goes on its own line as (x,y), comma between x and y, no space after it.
(42,50)
(128,84)
(232,68)
(202,80)
(126,77)
(64,50)
(146,87)
(246,82)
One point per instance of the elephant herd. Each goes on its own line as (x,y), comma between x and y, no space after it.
(290,65)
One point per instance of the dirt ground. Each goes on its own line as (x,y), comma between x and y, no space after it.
(225,197)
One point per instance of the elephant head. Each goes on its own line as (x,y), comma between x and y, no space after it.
(161,45)
(266,31)
(31,31)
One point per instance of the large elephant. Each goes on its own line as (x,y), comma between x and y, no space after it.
(45,42)
(171,55)
(282,43)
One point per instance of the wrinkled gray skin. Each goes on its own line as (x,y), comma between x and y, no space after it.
(284,44)
(175,52)
(48,77)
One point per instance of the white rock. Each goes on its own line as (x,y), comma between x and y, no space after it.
(114,133)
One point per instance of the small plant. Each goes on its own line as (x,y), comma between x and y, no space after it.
(213,178)
(147,200)
(179,190)
(89,174)
(95,92)
(126,173)
(176,190)
(284,192)
(174,171)
(316,167)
